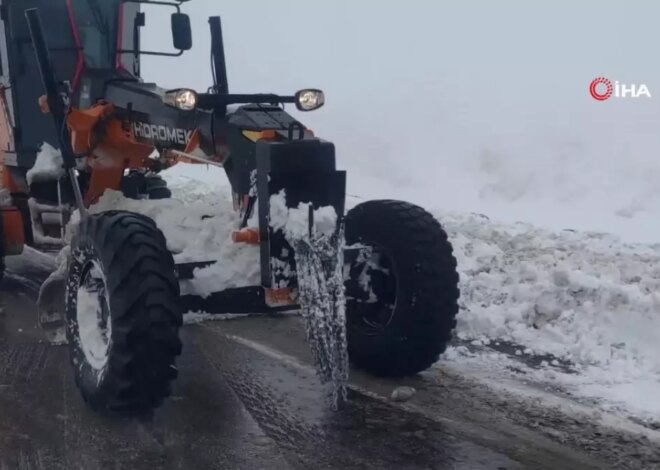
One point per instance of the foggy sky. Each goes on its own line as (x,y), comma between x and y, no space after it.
(487,101)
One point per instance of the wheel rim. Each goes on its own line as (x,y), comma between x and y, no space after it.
(372,293)
(93,315)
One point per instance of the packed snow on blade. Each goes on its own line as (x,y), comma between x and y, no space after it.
(48,165)
(319,256)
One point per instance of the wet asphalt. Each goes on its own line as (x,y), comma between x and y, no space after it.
(246,398)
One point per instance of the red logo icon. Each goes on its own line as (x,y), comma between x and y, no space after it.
(601,88)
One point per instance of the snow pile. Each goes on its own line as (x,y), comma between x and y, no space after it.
(197,223)
(194,226)
(48,165)
(588,300)
(196,182)
(295,222)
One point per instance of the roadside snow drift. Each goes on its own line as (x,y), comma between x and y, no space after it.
(588,302)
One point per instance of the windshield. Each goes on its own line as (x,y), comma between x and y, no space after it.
(97,26)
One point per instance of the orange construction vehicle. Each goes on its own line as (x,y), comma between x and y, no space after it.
(73,82)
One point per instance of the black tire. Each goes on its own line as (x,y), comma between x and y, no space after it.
(136,185)
(408,322)
(138,295)
(132,184)
(156,188)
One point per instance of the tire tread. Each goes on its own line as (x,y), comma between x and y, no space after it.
(425,256)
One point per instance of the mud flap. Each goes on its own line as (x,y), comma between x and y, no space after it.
(51,304)
(305,170)
(11,231)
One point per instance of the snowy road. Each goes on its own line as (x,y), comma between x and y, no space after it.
(44,424)
(554,365)
(247,398)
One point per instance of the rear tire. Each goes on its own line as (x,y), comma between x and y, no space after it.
(123,314)
(402,298)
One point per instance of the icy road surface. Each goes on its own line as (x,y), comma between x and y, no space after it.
(242,403)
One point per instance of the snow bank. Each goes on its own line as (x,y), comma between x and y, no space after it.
(194,183)
(588,300)
(198,223)
(48,165)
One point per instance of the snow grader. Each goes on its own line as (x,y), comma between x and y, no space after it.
(74,82)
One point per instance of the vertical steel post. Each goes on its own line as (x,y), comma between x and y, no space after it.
(56,103)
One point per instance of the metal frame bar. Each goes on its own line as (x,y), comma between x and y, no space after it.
(209,101)
(55,100)
(195,158)
(162,54)
(221,83)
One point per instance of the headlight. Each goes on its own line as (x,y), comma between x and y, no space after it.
(182,99)
(309,100)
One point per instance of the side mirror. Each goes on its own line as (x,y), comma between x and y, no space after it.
(181,32)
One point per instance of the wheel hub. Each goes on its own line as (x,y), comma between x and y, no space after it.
(93,315)
(373,290)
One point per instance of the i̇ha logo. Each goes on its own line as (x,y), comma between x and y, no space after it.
(602,89)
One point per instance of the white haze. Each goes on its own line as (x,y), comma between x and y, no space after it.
(459,105)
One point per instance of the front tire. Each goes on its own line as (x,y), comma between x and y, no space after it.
(123,314)
(402,288)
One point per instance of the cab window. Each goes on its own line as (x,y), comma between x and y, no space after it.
(97,28)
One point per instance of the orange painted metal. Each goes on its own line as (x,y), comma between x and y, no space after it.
(249,236)
(194,143)
(280,297)
(6,143)
(13,236)
(255,136)
(110,148)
